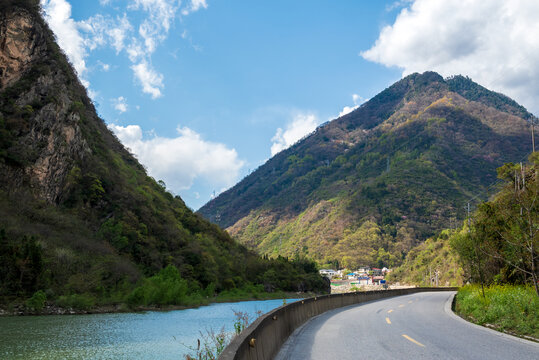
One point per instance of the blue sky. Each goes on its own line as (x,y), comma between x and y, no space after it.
(204,91)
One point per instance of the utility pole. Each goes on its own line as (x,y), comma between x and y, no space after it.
(469,220)
(533,133)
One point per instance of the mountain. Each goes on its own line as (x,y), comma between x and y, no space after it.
(365,188)
(78,213)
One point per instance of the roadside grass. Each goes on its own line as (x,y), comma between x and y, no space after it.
(508,308)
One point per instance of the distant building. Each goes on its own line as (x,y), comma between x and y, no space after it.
(329,273)
(364,280)
(364,270)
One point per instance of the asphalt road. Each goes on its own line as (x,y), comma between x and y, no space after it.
(417,326)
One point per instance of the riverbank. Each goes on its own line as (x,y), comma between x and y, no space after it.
(507,308)
(145,335)
(50,308)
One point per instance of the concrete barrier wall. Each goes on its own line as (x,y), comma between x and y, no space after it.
(263,338)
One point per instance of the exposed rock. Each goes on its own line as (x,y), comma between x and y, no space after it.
(21,43)
(47,127)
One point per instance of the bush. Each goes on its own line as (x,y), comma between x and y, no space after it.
(37,301)
(76,301)
(165,288)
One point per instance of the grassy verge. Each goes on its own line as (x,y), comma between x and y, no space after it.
(507,308)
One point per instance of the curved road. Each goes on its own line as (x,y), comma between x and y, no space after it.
(417,326)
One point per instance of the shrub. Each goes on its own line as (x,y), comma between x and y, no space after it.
(165,288)
(37,301)
(76,301)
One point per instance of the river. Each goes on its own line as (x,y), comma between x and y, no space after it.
(148,335)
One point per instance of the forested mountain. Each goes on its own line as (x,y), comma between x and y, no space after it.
(78,213)
(365,188)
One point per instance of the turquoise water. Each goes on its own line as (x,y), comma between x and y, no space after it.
(149,335)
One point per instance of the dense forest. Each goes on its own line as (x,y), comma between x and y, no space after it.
(81,222)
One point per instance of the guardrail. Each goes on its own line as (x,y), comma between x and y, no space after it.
(264,337)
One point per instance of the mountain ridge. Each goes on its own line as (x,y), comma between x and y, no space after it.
(419,120)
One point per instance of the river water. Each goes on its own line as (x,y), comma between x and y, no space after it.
(149,335)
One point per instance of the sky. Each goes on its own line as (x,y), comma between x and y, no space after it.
(203,92)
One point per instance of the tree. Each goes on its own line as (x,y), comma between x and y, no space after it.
(518,212)
(503,241)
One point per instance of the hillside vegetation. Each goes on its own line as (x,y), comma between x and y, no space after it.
(80,220)
(502,244)
(366,188)
(432,263)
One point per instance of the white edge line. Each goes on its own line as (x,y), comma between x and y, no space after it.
(449,311)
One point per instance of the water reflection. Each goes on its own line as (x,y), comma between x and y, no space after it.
(150,335)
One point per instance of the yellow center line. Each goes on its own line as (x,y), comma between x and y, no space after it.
(388,321)
(401,305)
(390,311)
(412,340)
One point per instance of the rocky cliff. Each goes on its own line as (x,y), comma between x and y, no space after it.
(38,108)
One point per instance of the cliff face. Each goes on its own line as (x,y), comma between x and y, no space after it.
(22,43)
(45,136)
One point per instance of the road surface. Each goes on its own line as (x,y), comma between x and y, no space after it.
(417,326)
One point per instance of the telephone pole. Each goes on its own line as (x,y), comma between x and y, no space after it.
(469,220)
(533,133)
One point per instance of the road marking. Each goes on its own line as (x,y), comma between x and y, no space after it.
(388,321)
(412,340)
(409,302)
(390,311)
(401,305)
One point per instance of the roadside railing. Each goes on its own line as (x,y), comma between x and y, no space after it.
(265,336)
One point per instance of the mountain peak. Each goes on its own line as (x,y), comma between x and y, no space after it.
(423,79)
(404,161)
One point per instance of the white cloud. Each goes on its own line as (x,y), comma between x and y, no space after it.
(120,104)
(397,4)
(494,42)
(152,81)
(195,5)
(180,160)
(357,99)
(161,15)
(93,94)
(102,30)
(58,16)
(301,125)
(80,38)
(347,110)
